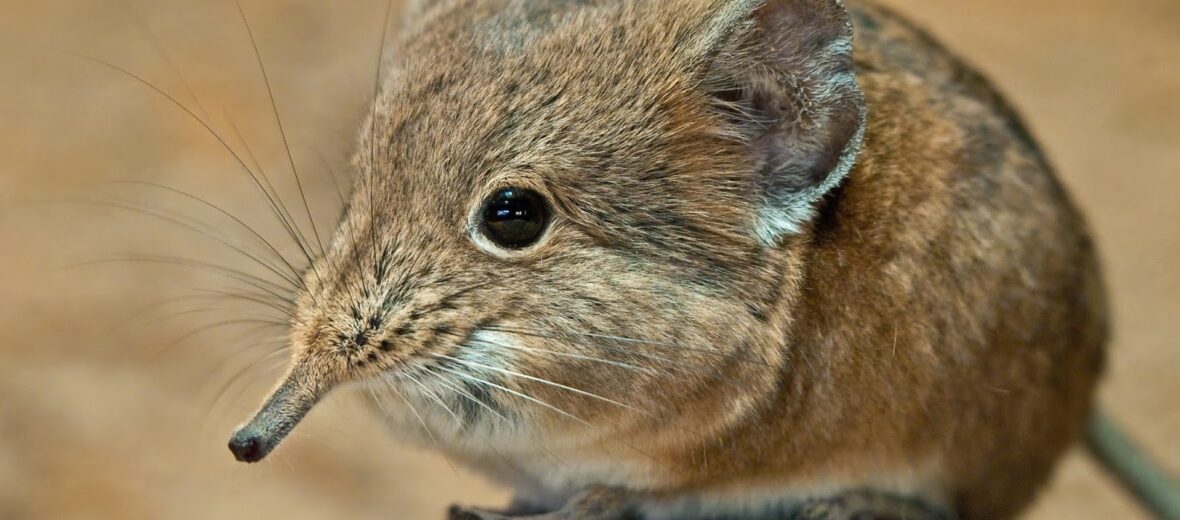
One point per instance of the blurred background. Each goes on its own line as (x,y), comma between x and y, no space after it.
(125,360)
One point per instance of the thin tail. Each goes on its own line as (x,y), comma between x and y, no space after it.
(1156,489)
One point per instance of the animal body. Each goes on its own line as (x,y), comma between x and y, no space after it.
(704,259)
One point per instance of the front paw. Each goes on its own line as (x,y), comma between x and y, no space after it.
(869,505)
(592,504)
(464,513)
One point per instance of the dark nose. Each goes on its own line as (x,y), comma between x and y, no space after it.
(246,446)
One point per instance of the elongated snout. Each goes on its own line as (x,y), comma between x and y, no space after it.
(281,412)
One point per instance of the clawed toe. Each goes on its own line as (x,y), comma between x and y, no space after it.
(463,513)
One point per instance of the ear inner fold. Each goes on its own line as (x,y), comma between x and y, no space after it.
(781,75)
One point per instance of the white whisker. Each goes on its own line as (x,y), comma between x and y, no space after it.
(436,398)
(572,356)
(470,397)
(538,380)
(421,421)
(518,394)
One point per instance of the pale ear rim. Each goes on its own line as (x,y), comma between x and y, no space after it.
(819,147)
(722,25)
(778,219)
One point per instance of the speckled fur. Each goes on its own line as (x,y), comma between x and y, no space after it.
(737,317)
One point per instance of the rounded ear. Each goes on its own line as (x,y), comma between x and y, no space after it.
(780,72)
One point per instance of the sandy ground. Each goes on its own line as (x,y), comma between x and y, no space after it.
(111,406)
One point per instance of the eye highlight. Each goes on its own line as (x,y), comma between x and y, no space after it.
(514,218)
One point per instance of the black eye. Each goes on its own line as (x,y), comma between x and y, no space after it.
(515,217)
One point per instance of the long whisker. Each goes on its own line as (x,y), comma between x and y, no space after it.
(166,302)
(178,314)
(467,395)
(340,196)
(332,175)
(266,323)
(435,397)
(517,394)
(655,344)
(373,131)
(472,364)
(270,246)
(288,219)
(472,398)
(225,387)
(150,35)
(279,120)
(272,354)
(236,377)
(228,272)
(274,345)
(567,388)
(259,299)
(645,413)
(575,356)
(273,301)
(213,133)
(196,226)
(380,406)
(458,421)
(667,345)
(263,323)
(422,422)
(156,306)
(608,348)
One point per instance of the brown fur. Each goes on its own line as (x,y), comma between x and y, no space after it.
(934,326)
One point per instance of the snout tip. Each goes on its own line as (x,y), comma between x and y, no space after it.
(247,446)
(282,411)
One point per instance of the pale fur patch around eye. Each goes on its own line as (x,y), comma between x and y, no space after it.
(476,234)
(487,246)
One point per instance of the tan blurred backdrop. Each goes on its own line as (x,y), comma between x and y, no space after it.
(114,405)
